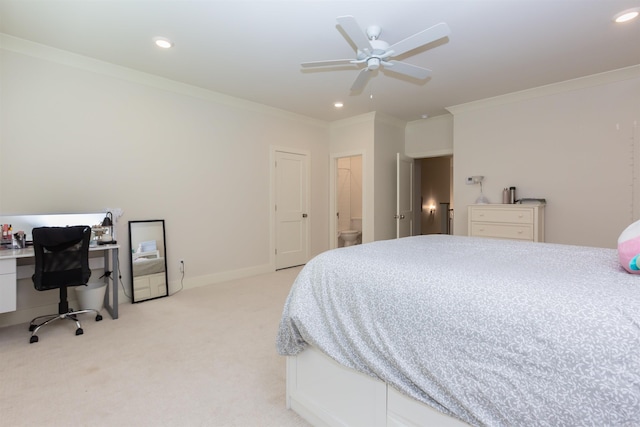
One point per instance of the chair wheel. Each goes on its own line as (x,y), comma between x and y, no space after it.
(34,338)
(98,317)
(32,328)
(79,331)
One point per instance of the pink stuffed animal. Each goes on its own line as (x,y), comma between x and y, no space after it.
(629,248)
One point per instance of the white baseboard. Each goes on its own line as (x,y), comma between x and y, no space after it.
(225,276)
(25,314)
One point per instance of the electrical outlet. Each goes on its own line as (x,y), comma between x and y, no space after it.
(181,266)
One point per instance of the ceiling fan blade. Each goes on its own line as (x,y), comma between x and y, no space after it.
(361,80)
(422,38)
(327,63)
(408,69)
(355,33)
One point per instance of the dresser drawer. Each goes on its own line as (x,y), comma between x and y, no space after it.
(7,266)
(517,216)
(504,221)
(8,288)
(502,231)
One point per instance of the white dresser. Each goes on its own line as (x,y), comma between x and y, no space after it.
(519,222)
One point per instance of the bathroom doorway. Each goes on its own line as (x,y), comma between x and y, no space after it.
(348,201)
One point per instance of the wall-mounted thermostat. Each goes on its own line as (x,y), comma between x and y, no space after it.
(476,179)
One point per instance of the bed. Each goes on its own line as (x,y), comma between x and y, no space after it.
(149,277)
(458,330)
(147,263)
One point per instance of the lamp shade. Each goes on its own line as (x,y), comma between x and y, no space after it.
(108,220)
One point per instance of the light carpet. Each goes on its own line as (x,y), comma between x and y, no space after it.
(202,357)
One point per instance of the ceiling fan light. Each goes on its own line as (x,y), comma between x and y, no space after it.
(373,63)
(626,15)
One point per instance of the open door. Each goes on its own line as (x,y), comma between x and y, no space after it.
(404,196)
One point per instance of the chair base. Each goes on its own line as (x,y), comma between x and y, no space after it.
(41,321)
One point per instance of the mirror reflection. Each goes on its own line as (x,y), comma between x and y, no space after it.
(148,260)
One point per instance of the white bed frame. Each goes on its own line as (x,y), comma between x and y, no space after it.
(325,393)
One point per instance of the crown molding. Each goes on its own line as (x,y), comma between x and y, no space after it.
(607,77)
(63,57)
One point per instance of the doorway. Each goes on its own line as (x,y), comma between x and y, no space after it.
(291,204)
(348,198)
(434,193)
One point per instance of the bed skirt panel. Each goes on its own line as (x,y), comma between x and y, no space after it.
(325,393)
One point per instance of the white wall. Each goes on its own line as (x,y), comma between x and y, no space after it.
(389,140)
(343,193)
(349,191)
(431,137)
(350,137)
(377,137)
(572,143)
(78,135)
(355,165)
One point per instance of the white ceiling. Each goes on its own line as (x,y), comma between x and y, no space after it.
(253,49)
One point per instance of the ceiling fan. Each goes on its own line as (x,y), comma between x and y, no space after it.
(375,53)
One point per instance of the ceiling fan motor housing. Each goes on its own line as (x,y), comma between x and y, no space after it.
(379,49)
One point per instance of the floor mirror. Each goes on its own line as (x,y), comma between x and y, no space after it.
(148,260)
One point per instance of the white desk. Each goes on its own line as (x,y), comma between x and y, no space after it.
(10,258)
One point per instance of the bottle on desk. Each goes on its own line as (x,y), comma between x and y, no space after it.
(6,238)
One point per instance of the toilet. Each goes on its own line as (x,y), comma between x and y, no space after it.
(350,237)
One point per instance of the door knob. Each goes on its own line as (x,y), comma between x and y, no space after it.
(304,215)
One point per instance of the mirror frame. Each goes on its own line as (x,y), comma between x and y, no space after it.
(160,234)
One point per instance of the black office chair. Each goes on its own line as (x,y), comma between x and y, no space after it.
(62,260)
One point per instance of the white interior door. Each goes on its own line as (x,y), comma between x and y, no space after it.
(404,196)
(291,209)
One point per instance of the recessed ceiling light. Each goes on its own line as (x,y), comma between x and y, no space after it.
(425,116)
(627,15)
(338,104)
(163,42)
